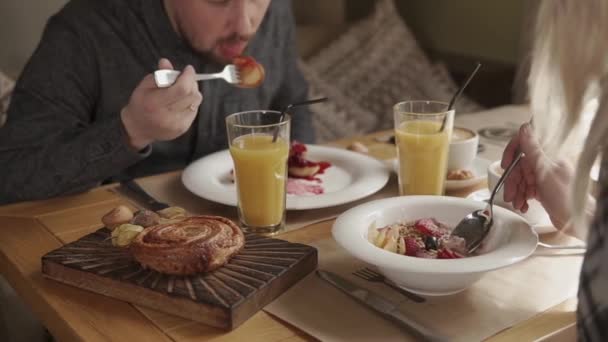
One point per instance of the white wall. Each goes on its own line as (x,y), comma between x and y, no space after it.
(21,24)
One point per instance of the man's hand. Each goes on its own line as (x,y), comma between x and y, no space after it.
(161,113)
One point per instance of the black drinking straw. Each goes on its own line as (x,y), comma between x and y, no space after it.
(288,107)
(458,93)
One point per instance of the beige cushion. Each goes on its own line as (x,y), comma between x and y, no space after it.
(6,89)
(366,70)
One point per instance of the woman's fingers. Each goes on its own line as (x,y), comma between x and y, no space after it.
(511,184)
(509,153)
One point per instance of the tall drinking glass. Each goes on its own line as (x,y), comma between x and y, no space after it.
(422,145)
(260,168)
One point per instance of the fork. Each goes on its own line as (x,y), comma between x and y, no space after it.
(375,277)
(166,77)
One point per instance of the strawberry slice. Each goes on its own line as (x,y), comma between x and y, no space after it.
(428,227)
(445,253)
(411,246)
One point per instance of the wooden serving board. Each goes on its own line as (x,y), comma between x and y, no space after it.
(225,298)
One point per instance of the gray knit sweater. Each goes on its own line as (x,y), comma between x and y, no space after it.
(64,133)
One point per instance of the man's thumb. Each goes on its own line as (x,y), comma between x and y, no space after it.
(164,63)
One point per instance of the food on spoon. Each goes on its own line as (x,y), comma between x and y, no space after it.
(146,218)
(117,216)
(172,213)
(423,238)
(460,174)
(300,167)
(124,234)
(192,245)
(251,73)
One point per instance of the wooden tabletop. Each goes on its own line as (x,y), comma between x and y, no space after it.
(32,229)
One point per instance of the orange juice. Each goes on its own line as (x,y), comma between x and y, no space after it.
(260,167)
(423,153)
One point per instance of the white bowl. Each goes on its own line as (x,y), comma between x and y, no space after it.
(511,240)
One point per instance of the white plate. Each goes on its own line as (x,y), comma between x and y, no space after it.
(538,218)
(352,176)
(480,172)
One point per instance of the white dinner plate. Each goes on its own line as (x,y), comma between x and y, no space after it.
(352,176)
(537,217)
(479,169)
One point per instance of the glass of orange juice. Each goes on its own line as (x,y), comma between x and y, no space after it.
(422,130)
(260,168)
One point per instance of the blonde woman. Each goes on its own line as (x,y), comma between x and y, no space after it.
(569,98)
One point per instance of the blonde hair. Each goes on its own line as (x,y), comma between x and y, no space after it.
(568,87)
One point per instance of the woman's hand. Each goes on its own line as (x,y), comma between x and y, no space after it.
(537,177)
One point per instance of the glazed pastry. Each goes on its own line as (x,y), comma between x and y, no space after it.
(358,147)
(117,216)
(145,218)
(459,175)
(124,234)
(193,245)
(172,213)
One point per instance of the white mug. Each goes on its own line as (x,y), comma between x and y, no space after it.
(463,149)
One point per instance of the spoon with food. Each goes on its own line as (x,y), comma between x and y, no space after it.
(245,72)
(475,227)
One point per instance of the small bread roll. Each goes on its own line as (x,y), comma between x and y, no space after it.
(124,234)
(173,213)
(117,216)
(358,147)
(145,218)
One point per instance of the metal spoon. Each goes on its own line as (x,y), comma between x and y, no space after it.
(475,227)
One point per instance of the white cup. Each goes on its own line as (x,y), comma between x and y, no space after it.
(535,213)
(463,149)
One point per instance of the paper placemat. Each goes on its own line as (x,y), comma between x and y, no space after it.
(500,300)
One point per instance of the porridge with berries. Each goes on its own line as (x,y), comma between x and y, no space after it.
(423,238)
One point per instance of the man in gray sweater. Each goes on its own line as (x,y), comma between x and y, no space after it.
(86,110)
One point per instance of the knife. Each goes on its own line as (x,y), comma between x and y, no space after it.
(381,305)
(133,190)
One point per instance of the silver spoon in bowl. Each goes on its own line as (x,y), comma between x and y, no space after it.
(474,227)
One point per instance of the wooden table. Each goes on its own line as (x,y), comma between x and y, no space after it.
(29,230)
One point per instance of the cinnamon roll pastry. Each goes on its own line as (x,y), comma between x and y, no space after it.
(193,245)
